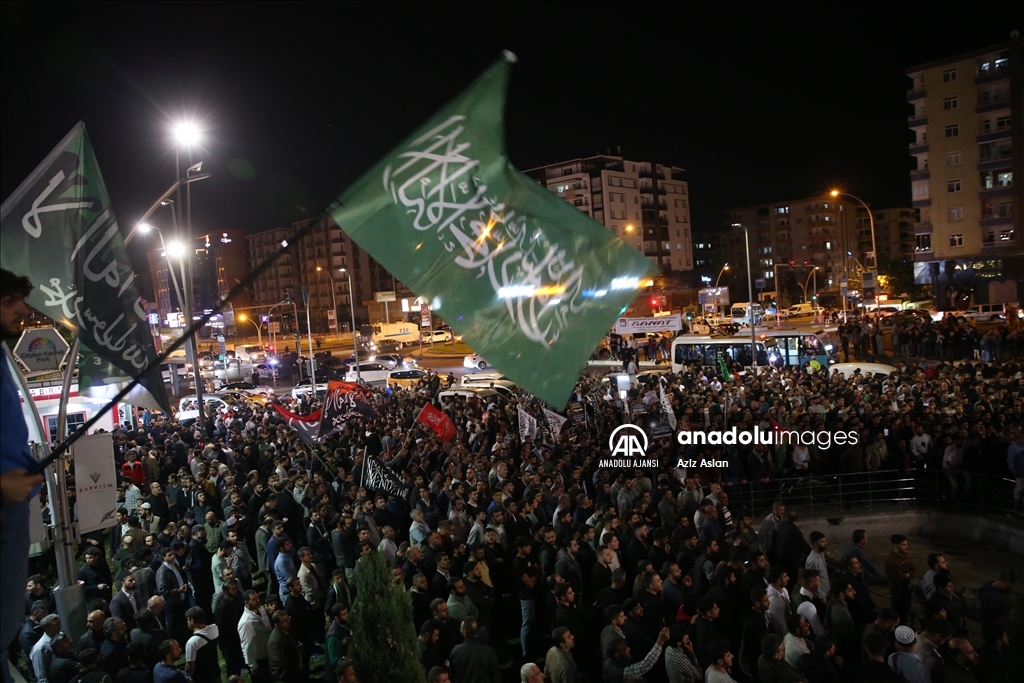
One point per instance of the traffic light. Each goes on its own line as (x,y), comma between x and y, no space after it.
(792,262)
(805,262)
(287,296)
(654,301)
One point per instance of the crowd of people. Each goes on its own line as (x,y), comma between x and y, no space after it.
(238,547)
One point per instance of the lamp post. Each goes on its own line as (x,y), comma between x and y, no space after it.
(874,253)
(352,314)
(808,281)
(259,330)
(334,296)
(719,278)
(750,303)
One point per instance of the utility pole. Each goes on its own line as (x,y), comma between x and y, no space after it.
(309,336)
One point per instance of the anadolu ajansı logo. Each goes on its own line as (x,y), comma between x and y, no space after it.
(628,444)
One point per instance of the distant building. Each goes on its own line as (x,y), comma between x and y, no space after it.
(645,203)
(315,262)
(894,232)
(967,123)
(833,234)
(218,265)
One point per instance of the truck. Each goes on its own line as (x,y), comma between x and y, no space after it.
(403,333)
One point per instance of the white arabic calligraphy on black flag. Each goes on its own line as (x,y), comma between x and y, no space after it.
(343,402)
(378,477)
(527,425)
(555,422)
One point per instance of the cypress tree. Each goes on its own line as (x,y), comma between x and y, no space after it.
(383,636)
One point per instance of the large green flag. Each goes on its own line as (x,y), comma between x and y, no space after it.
(58,229)
(531,283)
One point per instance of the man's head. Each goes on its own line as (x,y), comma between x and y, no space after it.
(812,580)
(531,673)
(169,651)
(962,653)
(50,624)
(819,542)
(563,638)
(113,628)
(281,621)
(900,544)
(95,620)
(13,309)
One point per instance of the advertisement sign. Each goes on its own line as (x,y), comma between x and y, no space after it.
(41,349)
(868,286)
(332,320)
(662,323)
(95,481)
(424,315)
(382,297)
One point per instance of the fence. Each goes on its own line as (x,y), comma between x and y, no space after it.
(869,490)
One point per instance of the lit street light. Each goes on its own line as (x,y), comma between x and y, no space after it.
(719,279)
(259,330)
(334,297)
(352,314)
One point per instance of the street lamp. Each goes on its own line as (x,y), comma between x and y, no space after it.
(813,273)
(259,330)
(719,279)
(871,221)
(352,314)
(334,296)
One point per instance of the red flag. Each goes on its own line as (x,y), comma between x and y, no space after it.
(440,423)
(308,426)
(346,387)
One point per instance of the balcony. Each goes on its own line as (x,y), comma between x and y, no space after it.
(993,102)
(917,121)
(918,148)
(921,203)
(993,243)
(915,95)
(917,174)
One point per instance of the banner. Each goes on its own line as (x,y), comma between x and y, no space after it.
(378,477)
(438,422)
(529,281)
(58,229)
(527,424)
(308,426)
(95,482)
(661,323)
(343,402)
(555,422)
(666,407)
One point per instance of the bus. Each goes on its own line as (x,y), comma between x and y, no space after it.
(698,349)
(740,316)
(798,346)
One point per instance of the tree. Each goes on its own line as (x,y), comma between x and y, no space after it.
(896,276)
(383,635)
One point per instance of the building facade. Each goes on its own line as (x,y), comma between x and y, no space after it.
(645,203)
(894,232)
(833,234)
(315,262)
(218,265)
(968,146)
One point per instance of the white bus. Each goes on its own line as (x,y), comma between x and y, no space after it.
(798,346)
(740,315)
(697,349)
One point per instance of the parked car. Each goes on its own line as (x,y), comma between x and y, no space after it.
(248,388)
(394,361)
(406,377)
(188,406)
(251,354)
(371,373)
(483,393)
(436,336)
(303,387)
(474,360)
(480,377)
(266,371)
(848,370)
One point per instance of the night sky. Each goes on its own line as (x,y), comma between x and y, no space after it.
(758,102)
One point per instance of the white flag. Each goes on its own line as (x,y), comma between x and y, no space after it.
(555,422)
(666,407)
(95,481)
(527,424)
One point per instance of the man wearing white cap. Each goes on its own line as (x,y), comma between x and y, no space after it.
(905,661)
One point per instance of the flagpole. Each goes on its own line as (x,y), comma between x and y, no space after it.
(58,483)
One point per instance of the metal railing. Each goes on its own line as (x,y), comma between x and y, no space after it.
(866,491)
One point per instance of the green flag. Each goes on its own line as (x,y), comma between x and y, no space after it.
(531,283)
(723,368)
(58,229)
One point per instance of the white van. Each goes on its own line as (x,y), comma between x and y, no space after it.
(991,312)
(848,370)
(798,310)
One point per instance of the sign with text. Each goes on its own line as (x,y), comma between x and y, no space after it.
(424,315)
(381,297)
(40,349)
(662,323)
(95,482)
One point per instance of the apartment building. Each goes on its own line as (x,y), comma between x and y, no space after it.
(315,262)
(646,204)
(968,146)
(833,234)
(894,232)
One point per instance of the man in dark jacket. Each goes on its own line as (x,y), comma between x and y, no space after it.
(755,628)
(772,666)
(790,545)
(472,661)
(227,612)
(283,651)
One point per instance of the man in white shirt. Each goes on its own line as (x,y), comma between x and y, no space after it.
(920,445)
(254,631)
(42,653)
(808,603)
